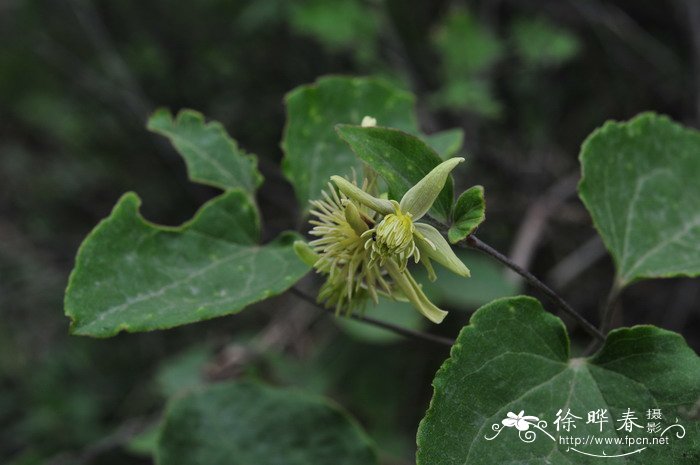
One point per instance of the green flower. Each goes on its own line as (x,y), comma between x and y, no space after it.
(399,234)
(364,243)
(339,252)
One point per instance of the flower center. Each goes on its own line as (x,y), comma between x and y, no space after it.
(394,234)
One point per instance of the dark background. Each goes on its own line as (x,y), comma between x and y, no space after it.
(526,80)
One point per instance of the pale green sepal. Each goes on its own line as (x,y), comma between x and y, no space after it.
(419,198)
(354,219)
(424,298)
(305,253)
(414,293)
(424,248)
(396,294)
(351,190)
(442,253)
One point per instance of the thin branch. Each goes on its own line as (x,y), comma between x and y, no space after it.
(409,333)
(606,316)
(475,243)
(570,267)
(122,435)
(608,312)
(534,223)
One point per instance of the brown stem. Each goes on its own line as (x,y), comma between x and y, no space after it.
(475,243)
(409,333)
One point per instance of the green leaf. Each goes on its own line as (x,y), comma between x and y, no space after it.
(400,158)
(389,311)
(469,213)
(133,275)
(640,185)
(212,157)
(312,150)
(246,423)
(514,356)
(446,143)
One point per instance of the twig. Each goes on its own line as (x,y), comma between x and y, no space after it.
(122,435)
(606,316)
(608,312)
(475,243)
(533,225)
(563,273)
(285,330)
(409,333)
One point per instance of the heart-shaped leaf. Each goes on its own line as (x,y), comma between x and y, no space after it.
(133,275)
(400,158)
(246,423)
(512,362)
(640,184)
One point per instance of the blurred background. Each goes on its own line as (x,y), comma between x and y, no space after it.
(527,81)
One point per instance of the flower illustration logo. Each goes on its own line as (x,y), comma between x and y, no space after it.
(520,421)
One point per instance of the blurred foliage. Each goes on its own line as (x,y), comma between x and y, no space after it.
(78,79)
(539,42)
(468,51)
(340,26)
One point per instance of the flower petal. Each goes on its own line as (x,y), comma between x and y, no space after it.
(442,252)
(522,425)
(419,198)
(414,293)
(509,422)
(351,190)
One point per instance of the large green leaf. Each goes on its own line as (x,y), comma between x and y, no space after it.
(514,356)
(250,424)
(312,150)
(400,158)
(212,157)
(133,275)
(640,184)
